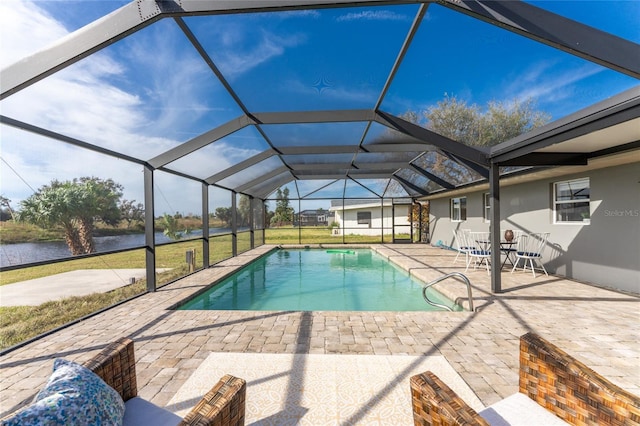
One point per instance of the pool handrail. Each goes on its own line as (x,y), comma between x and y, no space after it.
(442,278)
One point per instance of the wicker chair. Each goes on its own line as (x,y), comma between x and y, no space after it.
(553,379)
(224,404)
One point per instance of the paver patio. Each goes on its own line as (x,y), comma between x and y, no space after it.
(598,326)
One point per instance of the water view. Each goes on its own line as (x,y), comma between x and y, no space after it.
(23,253)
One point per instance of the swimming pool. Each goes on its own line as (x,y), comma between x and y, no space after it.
(318,280)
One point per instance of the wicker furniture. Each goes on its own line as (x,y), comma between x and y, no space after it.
(553,379)
(224,404)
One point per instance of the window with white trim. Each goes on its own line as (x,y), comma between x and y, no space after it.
(364,218)
(458,209)
(486,207)
(571,201)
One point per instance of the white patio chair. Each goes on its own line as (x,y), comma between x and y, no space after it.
(481,251)
(460,237)
(530,247)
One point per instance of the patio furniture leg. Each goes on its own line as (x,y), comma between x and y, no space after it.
(543,268)
(515,265)
(533,270)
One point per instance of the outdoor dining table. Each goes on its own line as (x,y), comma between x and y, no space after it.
(506,247)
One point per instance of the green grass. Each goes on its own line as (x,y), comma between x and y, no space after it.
(317,235)
(12,232)
(20,323)
(125,260)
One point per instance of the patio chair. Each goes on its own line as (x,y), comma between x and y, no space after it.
(223,405)
(480,249)
(460,237)
(529,248)
(554,388)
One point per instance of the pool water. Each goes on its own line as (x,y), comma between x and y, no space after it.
(318,280)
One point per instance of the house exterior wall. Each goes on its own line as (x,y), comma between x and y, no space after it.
(381,220)
(605,252)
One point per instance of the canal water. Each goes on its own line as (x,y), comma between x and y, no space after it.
(21,253)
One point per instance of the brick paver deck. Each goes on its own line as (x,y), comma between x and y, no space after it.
(598,326)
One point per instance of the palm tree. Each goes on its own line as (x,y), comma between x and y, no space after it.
(170,225)
(5,202)
(54,206)
(74,205)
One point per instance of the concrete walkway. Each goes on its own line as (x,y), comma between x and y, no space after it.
(598,326)
(81,282)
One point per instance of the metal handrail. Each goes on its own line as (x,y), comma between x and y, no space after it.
(442,278)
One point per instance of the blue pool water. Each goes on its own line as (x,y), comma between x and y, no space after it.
(318,280)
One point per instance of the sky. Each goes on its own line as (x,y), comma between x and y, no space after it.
(151,91)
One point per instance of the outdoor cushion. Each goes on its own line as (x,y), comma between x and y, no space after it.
(142,412)
(519,409)
(480,252)
(72,395)
(529,254)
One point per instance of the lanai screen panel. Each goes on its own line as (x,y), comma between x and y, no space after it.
(315,134)
(419,181)
(139,96)
(312,161)
(250,174)
(321,59)
(322,189)
(446,169)
(267,187)
(443,64)
(603,15)
(221,154)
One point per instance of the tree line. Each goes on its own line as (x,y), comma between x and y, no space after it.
(77,205)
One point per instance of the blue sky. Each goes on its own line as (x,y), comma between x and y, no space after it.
(150,92)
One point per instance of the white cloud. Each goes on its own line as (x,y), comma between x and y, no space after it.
(371,15)
(234,60)
(34,161)
(311,13)
(19,18)
(545,83)
(328,90)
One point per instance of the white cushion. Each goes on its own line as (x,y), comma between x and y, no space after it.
(141,412)
(519,409)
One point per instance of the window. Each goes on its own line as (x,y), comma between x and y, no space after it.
(459,209)
(486,201)
(571,201)
(364,218)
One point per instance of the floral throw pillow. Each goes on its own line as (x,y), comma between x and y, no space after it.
(74,395)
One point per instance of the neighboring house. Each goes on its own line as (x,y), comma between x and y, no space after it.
(371,217)
(318,217)
(591,212)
